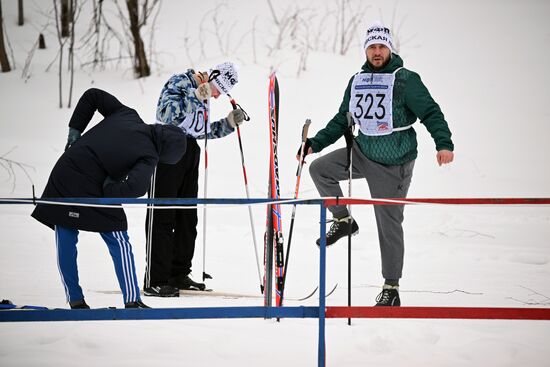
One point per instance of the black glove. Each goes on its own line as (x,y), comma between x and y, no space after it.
(74,135)
(108,181)
(307,145)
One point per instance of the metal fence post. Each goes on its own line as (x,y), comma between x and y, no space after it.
(322,274)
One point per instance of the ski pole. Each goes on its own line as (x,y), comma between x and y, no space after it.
(349,145)
(247,118)
(204,274)
(149,241)
(305,129)
(213,75)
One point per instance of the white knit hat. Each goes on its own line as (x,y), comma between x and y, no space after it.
(228,77)
(378,34)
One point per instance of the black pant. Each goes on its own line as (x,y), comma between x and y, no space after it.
(172,241)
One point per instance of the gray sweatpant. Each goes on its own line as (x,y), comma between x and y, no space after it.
(384,182)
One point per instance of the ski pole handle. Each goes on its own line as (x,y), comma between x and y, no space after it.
(305,129)
(213,75)
(303,154)
(236,105)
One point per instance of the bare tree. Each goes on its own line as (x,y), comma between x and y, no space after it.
(152,54)
(65,18)
(213,23)
(349,26)
(9,166)
(92,40)
(350,15)
(41,42)
(60,55)
(285,28)
(141,65)
(71,50)
(4,62)
(25,73)
(96,41)
(20,15)
(98,12)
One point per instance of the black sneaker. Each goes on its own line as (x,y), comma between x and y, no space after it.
(136,304)
(340,228)
(388,297)
(185,282)
(161,291)
(79,305)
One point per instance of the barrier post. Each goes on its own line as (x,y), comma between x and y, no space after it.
(322,275)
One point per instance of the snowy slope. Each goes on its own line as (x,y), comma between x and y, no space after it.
(484,63)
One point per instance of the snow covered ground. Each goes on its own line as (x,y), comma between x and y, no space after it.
(485,63)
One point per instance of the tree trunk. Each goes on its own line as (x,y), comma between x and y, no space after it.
(41,42)
(4,62)
(65,18)
(98,5)
(20,16)
(71,53)
(141,67)
(61,44)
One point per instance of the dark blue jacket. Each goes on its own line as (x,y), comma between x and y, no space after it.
(122,148)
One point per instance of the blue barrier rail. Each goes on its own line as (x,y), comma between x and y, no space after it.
(191,313)
(183,313)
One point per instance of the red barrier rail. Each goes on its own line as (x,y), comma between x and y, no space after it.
(448,201)
(491,313)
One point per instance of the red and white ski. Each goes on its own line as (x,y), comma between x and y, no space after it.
(273,240)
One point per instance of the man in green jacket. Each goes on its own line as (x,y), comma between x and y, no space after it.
(383,100)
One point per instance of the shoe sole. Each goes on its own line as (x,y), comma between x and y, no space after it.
(161,295)
(192,288)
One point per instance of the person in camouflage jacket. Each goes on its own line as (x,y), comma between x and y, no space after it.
(171,234)
(384,100)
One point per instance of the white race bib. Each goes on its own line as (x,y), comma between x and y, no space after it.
(370,103)
(193,123)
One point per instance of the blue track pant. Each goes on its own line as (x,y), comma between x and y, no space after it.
(121,253)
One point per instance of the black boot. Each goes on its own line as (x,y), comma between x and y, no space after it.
(389,296)
(340,228)
(185,282)
(161,291)
(136,304)
(79,305)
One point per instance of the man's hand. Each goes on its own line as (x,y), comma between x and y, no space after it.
(74,135)
(444,157)
(203,91)
(235,118)
(307,150)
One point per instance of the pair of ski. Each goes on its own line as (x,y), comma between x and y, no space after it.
(275,263)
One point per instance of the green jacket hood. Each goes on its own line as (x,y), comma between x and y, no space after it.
(395,62)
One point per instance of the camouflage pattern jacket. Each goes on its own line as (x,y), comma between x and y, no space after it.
(177,102)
